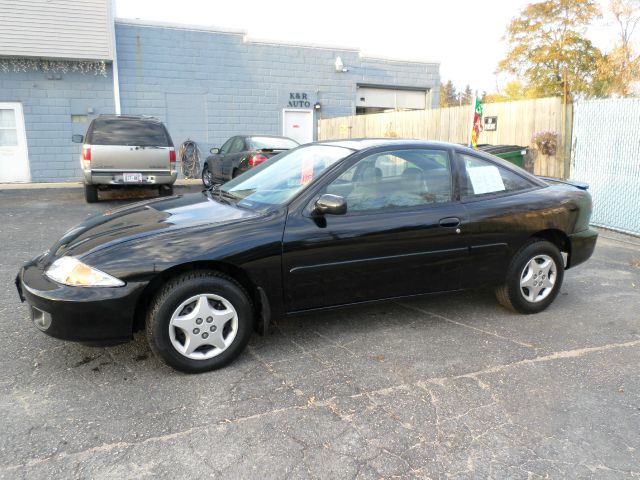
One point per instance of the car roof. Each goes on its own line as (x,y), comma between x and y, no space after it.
(129,117)
(365,143)
(266,136)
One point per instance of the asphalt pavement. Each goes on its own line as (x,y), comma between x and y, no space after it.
(449,386)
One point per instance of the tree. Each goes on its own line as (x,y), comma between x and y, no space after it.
(619,69)
(448,95)
(466,97)
(548,47)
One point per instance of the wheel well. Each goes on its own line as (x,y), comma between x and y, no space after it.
(557,237)
(159,280)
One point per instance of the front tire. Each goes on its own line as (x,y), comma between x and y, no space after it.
(90,193)
(207,177)
(533,279)
(200,321)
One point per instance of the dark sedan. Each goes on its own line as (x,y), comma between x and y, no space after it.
(323,225)
(239,154)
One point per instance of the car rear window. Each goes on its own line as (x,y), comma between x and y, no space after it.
(485,178)
(267,143)
(122,131)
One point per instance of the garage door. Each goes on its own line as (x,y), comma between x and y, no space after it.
(391,98)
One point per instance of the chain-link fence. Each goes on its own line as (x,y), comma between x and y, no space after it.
(606,155)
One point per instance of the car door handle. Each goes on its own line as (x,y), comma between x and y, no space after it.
(450,222)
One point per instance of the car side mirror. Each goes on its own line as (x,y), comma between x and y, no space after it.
(77,138)
(329,204)
(215,150)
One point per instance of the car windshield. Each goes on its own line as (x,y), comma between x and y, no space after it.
(277,180)
(272,143)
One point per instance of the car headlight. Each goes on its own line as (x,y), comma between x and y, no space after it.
(71,271)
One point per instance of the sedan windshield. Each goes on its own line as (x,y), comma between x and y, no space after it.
(277,180)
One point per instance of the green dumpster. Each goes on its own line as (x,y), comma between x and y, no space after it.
(511,153)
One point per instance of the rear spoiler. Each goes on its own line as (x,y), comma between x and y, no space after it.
(268,150)
(573,183)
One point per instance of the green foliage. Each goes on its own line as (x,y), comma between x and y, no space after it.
(466,97)
(547,45)
(514,90)
(448,95)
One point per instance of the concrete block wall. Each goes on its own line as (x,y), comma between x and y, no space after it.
(48,102)
(205,85)
(209,86)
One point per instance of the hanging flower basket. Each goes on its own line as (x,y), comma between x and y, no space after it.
(546,142)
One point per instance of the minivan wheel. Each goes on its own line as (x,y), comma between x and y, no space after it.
(165,190)
(199,321)
(207,177)
(534,278)
(90,193)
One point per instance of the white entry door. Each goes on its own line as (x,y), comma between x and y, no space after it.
(14,161)
(298,124)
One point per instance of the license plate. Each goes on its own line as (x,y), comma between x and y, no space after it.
(132,177)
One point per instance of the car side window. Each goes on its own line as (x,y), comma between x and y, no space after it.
(483,177)
(227,145)
(395,179)
(237,145)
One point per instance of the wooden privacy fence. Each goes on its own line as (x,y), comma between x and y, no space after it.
(516,124)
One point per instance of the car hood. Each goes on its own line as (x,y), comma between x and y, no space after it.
(144,219)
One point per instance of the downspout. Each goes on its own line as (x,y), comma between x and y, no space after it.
(114,64)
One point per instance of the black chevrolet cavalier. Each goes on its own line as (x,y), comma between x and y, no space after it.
(320,226)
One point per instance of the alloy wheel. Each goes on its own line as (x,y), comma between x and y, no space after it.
(207,178)
(538,278)
(203,326)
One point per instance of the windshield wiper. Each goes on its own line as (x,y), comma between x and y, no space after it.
(220,194)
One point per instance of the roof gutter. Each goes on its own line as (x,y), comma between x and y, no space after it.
(114,64)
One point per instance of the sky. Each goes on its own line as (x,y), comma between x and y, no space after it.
(464,36)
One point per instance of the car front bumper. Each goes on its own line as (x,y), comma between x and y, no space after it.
(83,314)
(582,246)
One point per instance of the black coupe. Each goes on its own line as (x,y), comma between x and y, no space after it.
(239,154)
(323,225)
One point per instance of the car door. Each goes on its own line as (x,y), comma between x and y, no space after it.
(230,160)
(216,160)
(400,235)
(500,213)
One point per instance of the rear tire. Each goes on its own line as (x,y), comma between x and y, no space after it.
(165,190)
(533,279)
(203,309)
(235,173)
(90,193)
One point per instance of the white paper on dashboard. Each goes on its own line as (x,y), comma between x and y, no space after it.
(485,179)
